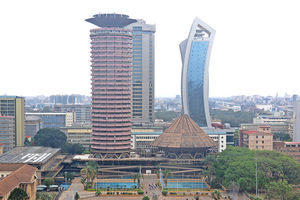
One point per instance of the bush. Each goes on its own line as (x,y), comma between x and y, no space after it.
(164,192)
(173,193)
(140,192)
(146,198)
(197,197)
(97,193)
(91,189)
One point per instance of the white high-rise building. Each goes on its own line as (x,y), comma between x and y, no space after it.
(296,132)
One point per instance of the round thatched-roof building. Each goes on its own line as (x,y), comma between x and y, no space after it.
(184,139)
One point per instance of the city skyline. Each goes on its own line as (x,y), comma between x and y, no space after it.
(251,55)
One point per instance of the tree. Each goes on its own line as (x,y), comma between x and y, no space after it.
(72,148)
(50,137)
(216,195)
(137,177)
(76,197)
(146,198)
(43,196)
(69,176)
(48,182)
(166,174)
(18,194)
(279,190)
(88,173)
(27,142)
(238,165)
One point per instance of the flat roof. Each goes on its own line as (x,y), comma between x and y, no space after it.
(29,155)
(146,133)
(50,113)
(11,97)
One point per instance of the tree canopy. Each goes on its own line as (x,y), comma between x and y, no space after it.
(234,118)
(18,194)
(50,137)
(238,165)
(48,182)
(72,148)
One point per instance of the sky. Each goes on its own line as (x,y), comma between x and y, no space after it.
(45,45)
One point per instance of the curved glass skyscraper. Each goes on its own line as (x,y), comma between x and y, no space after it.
(195,53)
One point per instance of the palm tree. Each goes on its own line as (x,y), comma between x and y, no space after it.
(209,160)
(89,172)
(137,177)
(216,195)
(166,174)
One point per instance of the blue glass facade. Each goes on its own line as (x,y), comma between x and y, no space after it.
(195,54)
(53,121)
(195,87)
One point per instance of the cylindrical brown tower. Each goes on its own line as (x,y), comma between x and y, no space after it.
(111,46)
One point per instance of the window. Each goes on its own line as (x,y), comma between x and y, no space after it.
(256,147)
(263,142)
(263,136)
(256,136)
(256,141)
(262,147)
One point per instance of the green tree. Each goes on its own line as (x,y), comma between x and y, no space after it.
(216,195)
(69,176)
(166,174)
(43,196)
(88,173)
(137,177)
(279,190)
(27,142)
(76,197)
(72,149)
(238,165)
(234,118)
(50,137)
(146,198)
(282,136)
(167,116)
(48,182)
(18,194)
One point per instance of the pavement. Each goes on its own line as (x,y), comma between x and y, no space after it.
(153,192)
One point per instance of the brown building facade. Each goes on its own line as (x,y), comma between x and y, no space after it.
(18,176)
(290,148)
(260,139)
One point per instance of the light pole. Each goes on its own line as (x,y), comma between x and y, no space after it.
(256,177)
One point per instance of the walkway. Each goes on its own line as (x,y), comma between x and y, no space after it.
(152,192)
(75,187)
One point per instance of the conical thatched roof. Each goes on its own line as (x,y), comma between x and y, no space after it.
(184,133)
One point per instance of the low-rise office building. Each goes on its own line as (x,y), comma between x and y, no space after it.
(54,120)
(260,139)
(142,137)
(222,137)
(78,135)
(290,148)
(82,112)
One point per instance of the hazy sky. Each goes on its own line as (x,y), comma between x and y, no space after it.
(45,45)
